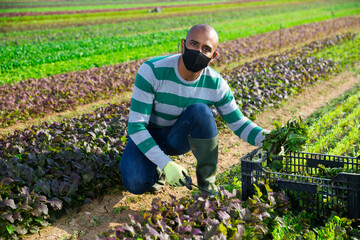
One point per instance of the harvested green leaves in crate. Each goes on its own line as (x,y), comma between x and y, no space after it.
(290,138)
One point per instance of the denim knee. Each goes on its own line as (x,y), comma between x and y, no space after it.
(203,123)
(136,185)
(199,109)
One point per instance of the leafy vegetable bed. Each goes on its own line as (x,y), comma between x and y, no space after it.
(334,129)
(60,164)
(266,215)
(55,57)
(32,10)
(267,81)
(237,49)
(35,98)
(197,217)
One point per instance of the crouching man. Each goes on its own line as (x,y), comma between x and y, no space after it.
(170,115)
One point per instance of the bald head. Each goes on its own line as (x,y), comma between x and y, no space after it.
(201,39)
(204,29)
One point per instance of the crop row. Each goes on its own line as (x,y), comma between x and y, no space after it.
(35,98)
(61,164)
(162,23)
(31,3)
(342,129)
(56,20)
(40,60)
(21,9)
(324,138)
(198,217)
(265,82)
(266,215)
(237,49)
(334,130)
(124,3)
(347,55)
(326,121)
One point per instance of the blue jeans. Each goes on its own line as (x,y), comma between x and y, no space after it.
(138,173)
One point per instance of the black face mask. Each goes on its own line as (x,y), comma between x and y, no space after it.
(194,60)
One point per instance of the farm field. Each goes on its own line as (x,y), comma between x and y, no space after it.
(114,207)
(66,77)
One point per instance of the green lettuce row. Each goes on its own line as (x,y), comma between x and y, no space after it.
(90,5)
(59,19)
(347,54)
(60,57)
(60,165)
(325,122)
(56,19)
(334,128)
(333,105)
(349,144)
(80,33)
(342,129)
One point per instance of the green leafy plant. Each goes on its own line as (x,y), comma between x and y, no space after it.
(281,140)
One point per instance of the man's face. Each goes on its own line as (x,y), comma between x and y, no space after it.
(203,41)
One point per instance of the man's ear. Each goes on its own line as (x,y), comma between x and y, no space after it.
(182,45)
(215,54)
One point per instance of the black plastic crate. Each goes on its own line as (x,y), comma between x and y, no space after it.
(313,194)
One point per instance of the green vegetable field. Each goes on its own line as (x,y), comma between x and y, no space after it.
(67,72)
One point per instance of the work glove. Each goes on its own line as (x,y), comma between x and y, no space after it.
(174,173)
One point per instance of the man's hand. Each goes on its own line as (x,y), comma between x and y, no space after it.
(174,173)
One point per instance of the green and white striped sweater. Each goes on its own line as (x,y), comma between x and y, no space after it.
(160,95)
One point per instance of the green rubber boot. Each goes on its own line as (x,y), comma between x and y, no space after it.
(206,154)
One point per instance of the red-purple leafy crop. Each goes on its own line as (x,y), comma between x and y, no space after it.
(34,98)
(198,217)
(22,210)
(63,163)
(269,41)
(265,82)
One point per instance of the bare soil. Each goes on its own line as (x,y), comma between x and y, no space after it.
(113,209)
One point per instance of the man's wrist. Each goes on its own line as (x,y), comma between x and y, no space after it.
(164,163)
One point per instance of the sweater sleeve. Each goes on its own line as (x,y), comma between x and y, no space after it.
(140,110)
(243,127)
